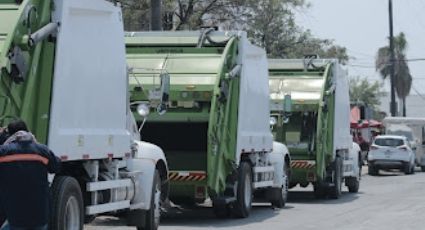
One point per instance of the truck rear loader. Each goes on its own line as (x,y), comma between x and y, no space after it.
(216,133)
(310,107)
(63,71)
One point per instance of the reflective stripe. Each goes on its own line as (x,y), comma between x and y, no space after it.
(303,164)
(187,175)
(24,157)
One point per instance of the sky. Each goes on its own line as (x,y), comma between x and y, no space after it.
(362,27)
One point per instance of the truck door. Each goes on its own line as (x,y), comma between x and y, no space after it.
(222,129)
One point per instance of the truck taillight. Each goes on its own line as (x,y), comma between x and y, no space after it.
(200,192)
(403,148)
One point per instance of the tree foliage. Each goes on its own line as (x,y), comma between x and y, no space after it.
(269,23)
(364,91)
(402,76)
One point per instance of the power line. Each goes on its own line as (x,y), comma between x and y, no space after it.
(414,59)
(362,66)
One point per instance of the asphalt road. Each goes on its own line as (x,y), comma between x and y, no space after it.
(389,201)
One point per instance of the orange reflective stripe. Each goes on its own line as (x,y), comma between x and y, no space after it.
(24,157)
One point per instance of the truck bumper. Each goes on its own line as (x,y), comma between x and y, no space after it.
(388,164)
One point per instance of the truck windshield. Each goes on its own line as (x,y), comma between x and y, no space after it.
(301,88)
(390,142)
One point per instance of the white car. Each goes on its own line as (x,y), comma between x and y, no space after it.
(391,152)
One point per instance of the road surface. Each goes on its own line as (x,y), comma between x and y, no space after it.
(389,201)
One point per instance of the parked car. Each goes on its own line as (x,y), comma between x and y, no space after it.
(391,152)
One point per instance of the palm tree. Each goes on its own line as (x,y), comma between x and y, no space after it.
(403,78)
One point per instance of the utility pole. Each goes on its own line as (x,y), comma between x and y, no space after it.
(392,69)
(156,15)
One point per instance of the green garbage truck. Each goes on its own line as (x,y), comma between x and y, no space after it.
(310,106)
(216,133)
(63,70)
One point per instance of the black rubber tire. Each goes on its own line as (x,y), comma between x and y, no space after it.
(62,190)
(221,210)
(423,168)
(279,201)
(281,194)
(407,169)
(320,191)
(336,190)
(372,170)
(353,184)
(240,207)
(149,215)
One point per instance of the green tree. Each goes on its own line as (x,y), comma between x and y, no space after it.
(367,92)
(403,78)
(308,44)
(136,15)
(269,23)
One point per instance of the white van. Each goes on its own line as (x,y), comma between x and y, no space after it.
(413,129)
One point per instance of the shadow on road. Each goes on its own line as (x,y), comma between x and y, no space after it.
(203,217)
(307,197)
(200,217)
(391,172)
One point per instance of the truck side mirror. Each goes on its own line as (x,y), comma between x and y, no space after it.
(164,92)
(287,103)
(287,108)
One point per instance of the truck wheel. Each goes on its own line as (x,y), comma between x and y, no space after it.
(423,168)
(242,205)
(409,169)
(153,215)
(353,184)
(319,190)
(221,210)
(280,195)
(372,170)
(413,169)
(66,203)
(335,190)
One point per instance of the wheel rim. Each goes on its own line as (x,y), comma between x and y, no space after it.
(248,191)
(72,214)
(157,204)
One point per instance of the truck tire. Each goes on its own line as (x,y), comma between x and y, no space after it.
(335,190)
(153,215)
(423,168)
(221,210)
(66,203)
(409,169)
(280,195)
(242,206)
(353,184)
(320,191)
(372,170)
